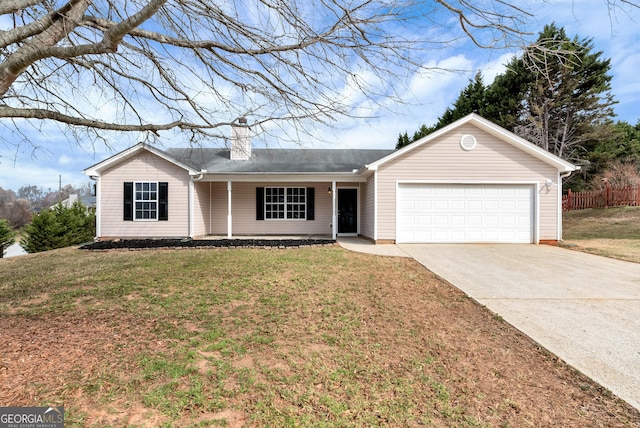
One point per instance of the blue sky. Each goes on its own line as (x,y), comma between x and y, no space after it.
(59,156)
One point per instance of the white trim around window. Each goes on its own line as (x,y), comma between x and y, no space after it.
(145,201)
(285,203)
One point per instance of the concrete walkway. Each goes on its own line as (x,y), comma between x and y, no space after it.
(15,250)
(361,245)
(583,308)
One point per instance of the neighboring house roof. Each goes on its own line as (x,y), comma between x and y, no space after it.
(278,160)
(562,165)
(87,201)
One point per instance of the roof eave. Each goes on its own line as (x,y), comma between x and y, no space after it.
(96,170)
(493,129)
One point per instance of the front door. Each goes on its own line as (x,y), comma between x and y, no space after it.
(347,210)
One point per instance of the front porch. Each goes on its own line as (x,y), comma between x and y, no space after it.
(292,209)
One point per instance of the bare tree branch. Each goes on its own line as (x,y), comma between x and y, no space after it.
(10,112)
(157,65)
(13,6)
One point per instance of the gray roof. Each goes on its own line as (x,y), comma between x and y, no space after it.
(278,160)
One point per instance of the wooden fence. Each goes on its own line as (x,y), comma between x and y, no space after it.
(609,196)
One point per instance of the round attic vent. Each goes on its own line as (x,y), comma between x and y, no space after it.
(468,142)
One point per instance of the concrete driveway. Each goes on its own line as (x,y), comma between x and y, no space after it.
(583,308)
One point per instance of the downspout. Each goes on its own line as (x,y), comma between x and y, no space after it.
(192,210)
(98,207)
(229,216)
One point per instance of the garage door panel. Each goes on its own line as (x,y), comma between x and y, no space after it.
(424,205)
(441,205)
(457,205)
(424,219)
(509,220)
(491,205)
(474,204)
(465,213)
(474,220)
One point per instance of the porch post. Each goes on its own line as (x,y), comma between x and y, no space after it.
(334,216)
(229,217)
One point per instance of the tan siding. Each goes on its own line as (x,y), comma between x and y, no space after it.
(219,210)
(367,210)
(244,212)
(443,160)
(144,167)
(201,208)
(211,208)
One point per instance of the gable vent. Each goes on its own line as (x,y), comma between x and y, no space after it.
(468,142)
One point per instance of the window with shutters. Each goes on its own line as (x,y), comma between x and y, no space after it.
(146,201)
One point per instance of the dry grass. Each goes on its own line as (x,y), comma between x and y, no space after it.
(307,337)
(610,232)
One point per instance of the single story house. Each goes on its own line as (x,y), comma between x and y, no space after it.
(469,182)
(88,201)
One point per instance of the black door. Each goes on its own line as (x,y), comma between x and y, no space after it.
(347,211)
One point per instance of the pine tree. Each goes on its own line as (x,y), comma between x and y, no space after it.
(7,236)
(59,227)
(472,99)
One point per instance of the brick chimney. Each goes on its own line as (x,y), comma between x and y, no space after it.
(240,141)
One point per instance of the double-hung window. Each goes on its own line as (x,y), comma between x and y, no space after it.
(146,201)
(288,203)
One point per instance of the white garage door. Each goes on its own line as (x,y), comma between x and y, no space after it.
(439,213)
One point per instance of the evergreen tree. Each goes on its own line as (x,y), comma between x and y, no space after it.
(7,236)
(622,147)
(59,227)
(505,96)
(472,99)
(403,140)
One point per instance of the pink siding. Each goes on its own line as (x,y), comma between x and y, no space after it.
(444,160)
(211,208)
(367,220)
(144,167)
(219,201)
(243,209)
(200,209)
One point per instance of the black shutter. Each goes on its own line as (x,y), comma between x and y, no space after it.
(163,201)
(311,203)
(259,203)
(128,201)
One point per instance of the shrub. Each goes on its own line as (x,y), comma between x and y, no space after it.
(7,236)
(59,227)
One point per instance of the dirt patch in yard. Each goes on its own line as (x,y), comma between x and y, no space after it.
(318,336)
(68,356)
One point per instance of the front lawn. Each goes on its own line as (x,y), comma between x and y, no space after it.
(281,337)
